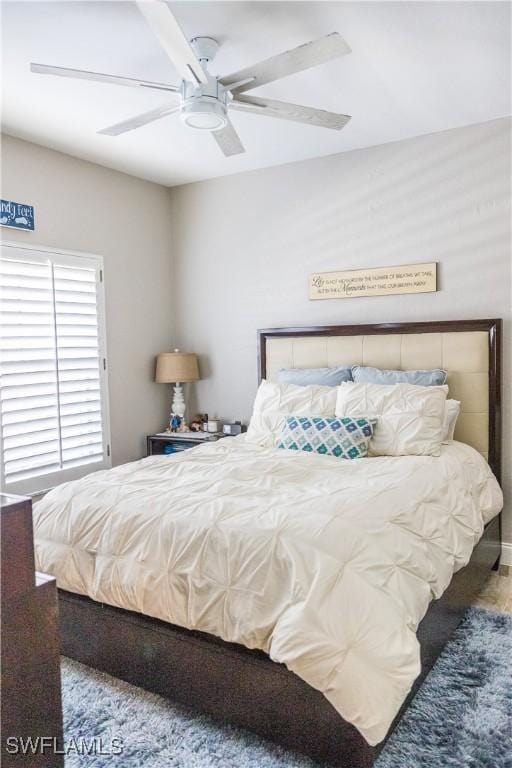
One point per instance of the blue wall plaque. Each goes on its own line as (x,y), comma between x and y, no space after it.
(16,215)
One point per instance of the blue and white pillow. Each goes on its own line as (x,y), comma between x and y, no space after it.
(345,437)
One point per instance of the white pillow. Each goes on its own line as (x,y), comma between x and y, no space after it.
(451,414)
(410,418)
(274,402)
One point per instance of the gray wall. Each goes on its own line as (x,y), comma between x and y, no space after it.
(244,246)
(84,207)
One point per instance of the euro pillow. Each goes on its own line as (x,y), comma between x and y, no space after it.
(274,402)
(410,417)
(345,438)
(325,377)
(451,414)
(423,378)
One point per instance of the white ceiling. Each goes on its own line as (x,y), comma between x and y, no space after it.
(415,68)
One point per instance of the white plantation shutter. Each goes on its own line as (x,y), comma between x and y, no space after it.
(54,424)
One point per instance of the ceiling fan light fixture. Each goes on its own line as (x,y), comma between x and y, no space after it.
(204,114)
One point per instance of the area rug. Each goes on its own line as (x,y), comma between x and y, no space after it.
(460,718)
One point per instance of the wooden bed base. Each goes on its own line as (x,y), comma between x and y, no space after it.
(245,687)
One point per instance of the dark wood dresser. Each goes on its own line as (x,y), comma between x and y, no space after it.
(30,649)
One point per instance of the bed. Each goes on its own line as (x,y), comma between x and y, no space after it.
(283,596)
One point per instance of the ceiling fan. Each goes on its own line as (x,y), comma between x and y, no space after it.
(204,100)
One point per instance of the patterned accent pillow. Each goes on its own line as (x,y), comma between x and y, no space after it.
(346,437)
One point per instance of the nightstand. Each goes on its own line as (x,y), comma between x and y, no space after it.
(30,679)
(174,443)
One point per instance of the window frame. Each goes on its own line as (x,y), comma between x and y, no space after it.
(41,254)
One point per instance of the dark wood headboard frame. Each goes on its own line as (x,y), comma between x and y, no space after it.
(491,327)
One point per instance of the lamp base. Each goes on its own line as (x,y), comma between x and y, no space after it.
(178,402)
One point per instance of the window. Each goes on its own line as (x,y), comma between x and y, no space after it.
(53,393)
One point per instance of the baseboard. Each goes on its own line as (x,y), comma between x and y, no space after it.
(506,554)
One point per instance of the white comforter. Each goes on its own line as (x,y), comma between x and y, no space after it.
(328,565)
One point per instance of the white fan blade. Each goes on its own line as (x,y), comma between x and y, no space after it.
(298,59)
(228,140)
(169,33)
(287,111)
(99,77)
(140,120)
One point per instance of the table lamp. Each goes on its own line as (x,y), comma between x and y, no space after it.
(177,368)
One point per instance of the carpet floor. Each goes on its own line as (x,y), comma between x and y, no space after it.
(460,718)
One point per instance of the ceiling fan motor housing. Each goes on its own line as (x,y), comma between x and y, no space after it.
(205,106)
(204,48)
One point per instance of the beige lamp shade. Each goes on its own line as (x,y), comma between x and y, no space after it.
(172,367)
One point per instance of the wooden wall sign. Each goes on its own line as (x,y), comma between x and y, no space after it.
(377,281)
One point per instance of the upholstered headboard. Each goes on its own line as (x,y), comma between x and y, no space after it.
(468,349)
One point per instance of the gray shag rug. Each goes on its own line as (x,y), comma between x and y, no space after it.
(460,718)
